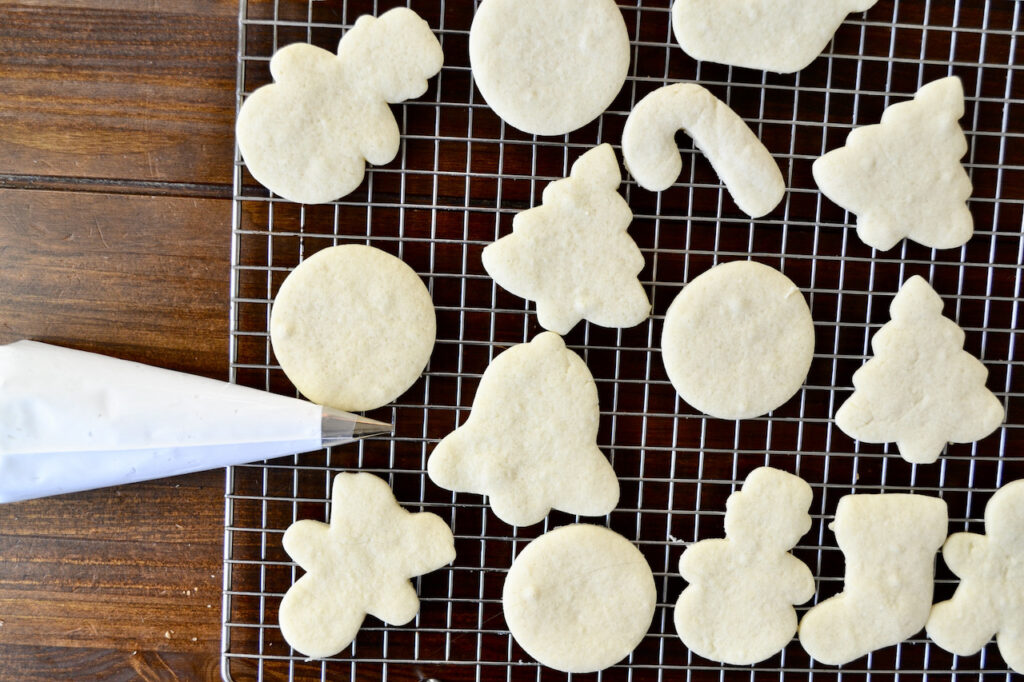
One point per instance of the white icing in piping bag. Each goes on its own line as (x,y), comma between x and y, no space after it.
(71,420)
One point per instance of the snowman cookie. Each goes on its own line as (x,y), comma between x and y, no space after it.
(308,135)
(738,606)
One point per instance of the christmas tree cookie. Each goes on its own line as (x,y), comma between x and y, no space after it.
(990,598)
(903,177)
(530,442)
(360,563)
(572,255)
(921,390)
(738,606)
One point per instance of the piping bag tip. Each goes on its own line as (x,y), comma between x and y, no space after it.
(338,428)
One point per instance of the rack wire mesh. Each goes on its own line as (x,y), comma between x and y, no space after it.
(461,176)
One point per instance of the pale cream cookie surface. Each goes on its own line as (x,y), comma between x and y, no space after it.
(738,606)
(738,340)
(579,598)
(572,254)
(530,442)
(902,177)
(742,162)
(921,389)
(360,563)
(548,67)
(308,135)
(352,327)
(783,36)
(989,601)
(889,542)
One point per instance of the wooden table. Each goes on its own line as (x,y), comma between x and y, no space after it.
(115,202)
(115,186)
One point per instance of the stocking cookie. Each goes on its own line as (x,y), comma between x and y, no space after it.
(903,177)
(921,389)
(889,542)
(990,598)
(572,254)
(530,442)
(782,36)
(744,165)
(738,606)
(308,135)
(358,564)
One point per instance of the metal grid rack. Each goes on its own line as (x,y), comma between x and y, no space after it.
(461,176)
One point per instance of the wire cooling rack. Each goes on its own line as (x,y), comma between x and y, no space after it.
(459,179)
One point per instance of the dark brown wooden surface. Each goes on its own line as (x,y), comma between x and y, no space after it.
(115,171)
(115,186)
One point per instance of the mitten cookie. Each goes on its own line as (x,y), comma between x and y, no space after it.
(782,36)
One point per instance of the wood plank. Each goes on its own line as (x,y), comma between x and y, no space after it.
(127,568)
(86,579)
(131,91)
(141,278)
(45,664)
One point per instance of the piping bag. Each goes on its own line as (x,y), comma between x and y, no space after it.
(72,420)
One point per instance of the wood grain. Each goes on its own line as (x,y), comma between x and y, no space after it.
(132,92)
(90,578)
(115,170)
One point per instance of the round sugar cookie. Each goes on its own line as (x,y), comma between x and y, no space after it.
(548,67)
(353,327)
(738,340)
(579,598)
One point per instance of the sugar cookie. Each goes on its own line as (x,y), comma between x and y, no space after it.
(530,442)
(738,340)
(889,542)
(990,598)
(548,67)
(572,254)
(652,156)
(903,177)
(782,36)
(738,606)
(353,327)
(921,389)
(358,564)
(579,598)
(308,135)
